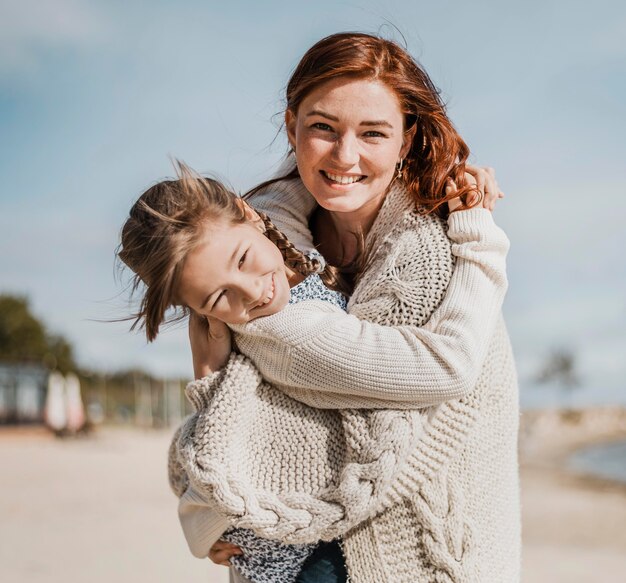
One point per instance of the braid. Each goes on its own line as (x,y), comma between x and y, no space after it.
(293,257)
(304,265)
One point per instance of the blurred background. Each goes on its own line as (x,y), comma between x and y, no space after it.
(95,97)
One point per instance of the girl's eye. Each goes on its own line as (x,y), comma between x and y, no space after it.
(242,259)
(219,297)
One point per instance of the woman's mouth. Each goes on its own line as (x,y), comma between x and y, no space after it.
(342,179)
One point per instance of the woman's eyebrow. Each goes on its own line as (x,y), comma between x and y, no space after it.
(322,114)
(378,122)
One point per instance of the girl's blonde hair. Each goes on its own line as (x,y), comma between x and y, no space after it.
(165,224)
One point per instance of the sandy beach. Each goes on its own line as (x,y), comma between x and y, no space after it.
(573,524)
(96,509)
(99,509)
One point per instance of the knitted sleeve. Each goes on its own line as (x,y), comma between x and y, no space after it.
(329,359)
(201,524)
(176,474)
(289,204)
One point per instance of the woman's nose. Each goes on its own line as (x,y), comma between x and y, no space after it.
(346,150)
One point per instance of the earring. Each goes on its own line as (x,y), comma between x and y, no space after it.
(399,168)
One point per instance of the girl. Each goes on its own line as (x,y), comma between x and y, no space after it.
(198,247)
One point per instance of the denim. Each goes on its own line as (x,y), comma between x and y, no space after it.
(325,565)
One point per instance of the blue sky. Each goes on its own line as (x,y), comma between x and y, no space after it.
(95,95)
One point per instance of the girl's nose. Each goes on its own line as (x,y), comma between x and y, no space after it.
(251,289)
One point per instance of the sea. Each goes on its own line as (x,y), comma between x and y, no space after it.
(553,395)
(605,461)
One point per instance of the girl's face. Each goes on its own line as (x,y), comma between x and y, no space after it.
(234,274)
(348,136)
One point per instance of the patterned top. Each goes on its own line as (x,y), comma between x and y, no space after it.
(312,288)
(265,560)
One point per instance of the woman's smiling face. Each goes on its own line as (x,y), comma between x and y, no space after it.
(348,135)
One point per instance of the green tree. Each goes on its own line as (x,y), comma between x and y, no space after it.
(23,338)
(560,367)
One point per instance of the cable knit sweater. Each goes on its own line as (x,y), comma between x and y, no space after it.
(265,560)
(446,479)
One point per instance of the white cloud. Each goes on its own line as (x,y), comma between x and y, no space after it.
(608,39)
(198,81)
(30,28)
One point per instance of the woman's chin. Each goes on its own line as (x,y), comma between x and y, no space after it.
(348,203)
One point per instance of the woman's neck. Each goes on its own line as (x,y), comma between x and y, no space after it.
(360,220)
(340,236)
(338,245)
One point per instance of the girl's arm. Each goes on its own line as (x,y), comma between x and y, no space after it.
(329,359)
(201,524)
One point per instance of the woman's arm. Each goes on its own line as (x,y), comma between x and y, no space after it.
(329,359)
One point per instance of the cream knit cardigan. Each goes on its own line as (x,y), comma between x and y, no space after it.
(442,483)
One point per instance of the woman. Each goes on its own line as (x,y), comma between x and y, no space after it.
(373,144)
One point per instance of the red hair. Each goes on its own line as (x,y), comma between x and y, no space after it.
(437,152)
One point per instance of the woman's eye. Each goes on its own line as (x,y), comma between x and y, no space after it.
(322,126)
(242,259)
(374,134)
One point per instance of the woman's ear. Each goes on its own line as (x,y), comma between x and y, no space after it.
(290,125)
(251,215)
(407,140)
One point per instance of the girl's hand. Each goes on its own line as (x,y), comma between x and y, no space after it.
(222,551)
(211,344)
(486,188)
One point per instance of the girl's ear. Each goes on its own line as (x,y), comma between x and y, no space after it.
(251,215)
(290,125)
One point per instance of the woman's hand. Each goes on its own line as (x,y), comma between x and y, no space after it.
(486,183)
(222,551)
(211,344)
(485,187)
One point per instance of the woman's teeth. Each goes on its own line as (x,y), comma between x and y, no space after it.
(342,179)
